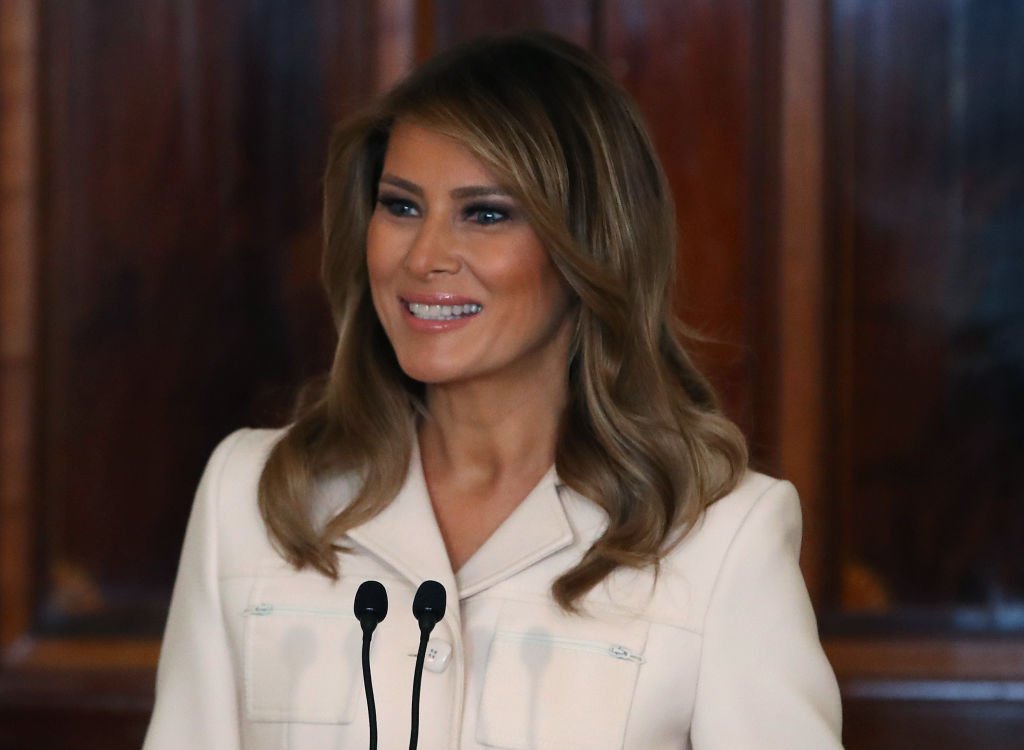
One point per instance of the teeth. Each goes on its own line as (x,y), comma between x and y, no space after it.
(443,312)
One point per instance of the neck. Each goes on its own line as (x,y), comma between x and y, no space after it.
(480,433)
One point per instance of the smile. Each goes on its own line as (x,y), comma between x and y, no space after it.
(442,312)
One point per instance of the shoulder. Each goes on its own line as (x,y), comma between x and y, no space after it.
(760,657)
(758,520)
(232,474)
(759,506)
(242,454)
(228,498)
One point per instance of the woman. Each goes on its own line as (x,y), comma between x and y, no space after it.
(512,413)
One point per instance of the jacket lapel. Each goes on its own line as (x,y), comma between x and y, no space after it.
(405,535)
(537,528)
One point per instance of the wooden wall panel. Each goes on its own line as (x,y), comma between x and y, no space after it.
(18,327)
(452,21)
(929,218)
(799,397)
(160,289)
(80,708)
(182,150)
(926,616)
(697,70)
(886,724)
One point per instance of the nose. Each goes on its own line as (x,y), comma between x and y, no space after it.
(432,249)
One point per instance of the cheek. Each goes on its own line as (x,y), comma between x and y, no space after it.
(379,264)
(378,272)
(373,245)
(535,282)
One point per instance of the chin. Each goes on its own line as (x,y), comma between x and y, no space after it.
(432,373)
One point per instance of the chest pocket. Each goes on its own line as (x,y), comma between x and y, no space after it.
(559,681)
(302,652)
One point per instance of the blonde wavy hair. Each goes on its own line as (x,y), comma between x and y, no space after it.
(642,435)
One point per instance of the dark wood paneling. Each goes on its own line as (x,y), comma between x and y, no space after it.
(458,20)
(179,151)
(888,724)
(18,325)
(182,148)
(927,203)
(46,728)
(930,214)
(795,327)
(82,709)
(697,70)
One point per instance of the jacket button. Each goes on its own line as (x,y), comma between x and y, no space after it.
(439,653)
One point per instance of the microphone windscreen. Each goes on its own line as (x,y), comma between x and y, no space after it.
(371,602)
(429,601)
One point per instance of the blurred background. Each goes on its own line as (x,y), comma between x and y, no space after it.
(850,186)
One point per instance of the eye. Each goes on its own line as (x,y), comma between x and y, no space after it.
(486,214)
(399,207)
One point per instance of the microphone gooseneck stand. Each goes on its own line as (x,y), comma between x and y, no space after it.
(370,606)
(428,608)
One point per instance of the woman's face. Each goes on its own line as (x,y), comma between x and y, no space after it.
(459,278)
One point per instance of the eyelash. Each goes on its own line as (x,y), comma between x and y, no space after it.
(403,208)
(476,210)
(398,207)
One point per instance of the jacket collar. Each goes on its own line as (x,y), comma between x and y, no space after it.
(406,536)
(538,527)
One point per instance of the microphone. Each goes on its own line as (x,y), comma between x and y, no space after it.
(370,607)
(428,609)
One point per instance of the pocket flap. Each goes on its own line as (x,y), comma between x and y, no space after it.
(303,650)
(559,681)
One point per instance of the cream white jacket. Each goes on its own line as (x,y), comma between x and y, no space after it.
(720,652)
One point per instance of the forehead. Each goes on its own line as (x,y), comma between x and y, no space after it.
(431,158)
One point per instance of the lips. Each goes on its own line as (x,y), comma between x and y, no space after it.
(440,307)
(442,312)
(439,312)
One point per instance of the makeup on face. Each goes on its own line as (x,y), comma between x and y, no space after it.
(460,280)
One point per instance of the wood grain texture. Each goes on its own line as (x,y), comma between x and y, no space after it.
(691,67)
(929,215)
(459,20)
(18,326)
(183,148)
(86,709)
(802,280)
(926,202)
(175,279)
(903,658)
(886,724)
(395,34)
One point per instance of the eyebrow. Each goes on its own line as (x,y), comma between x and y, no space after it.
(470,191)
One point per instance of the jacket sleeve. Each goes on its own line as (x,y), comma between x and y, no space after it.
(764,682)
(196,696)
